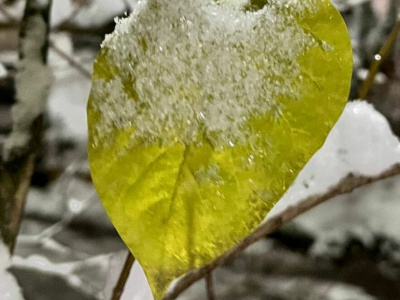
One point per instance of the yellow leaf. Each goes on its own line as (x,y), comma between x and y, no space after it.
(201,115)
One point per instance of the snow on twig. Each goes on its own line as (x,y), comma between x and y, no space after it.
(345,186)
(349,159)
(33,81)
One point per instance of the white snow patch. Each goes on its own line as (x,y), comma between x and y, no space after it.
(360,143)
(346,292)
(15,11)
(343,5)
(36,261)
(9,289)
(72,272)
(95,13)
(69,92)
(137,287)
(63,42)
(365,214)
(33,82)
(3,71)
(9,57)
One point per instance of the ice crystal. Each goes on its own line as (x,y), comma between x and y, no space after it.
(199,70)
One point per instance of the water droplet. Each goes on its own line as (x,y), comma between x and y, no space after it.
(74,205)
(327,47)
(251,159)
(39,261)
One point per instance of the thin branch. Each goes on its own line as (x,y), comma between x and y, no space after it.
(33,81)
(72,62)
(210,286)
(67,218)
(71,16)
(345,186)
(119,287)
(5,12)
(378,60)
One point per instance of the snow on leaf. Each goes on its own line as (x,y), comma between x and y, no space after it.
(201,115)
(209,92)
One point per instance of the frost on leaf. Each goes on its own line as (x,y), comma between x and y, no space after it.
(201,115)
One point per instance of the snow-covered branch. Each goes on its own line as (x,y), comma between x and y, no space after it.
(346,185)
(33,81)
(337,168)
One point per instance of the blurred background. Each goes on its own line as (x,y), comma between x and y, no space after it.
(345,249)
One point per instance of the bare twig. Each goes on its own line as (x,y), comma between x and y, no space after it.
(71,16)
(66,219)
(378,60)
(72,62)
(345,186)
(5,12)
(210,286)
(119,287)
(33,80)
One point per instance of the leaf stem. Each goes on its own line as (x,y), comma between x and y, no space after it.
(378,60)
(210,286)
(71,61)
(123,278)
